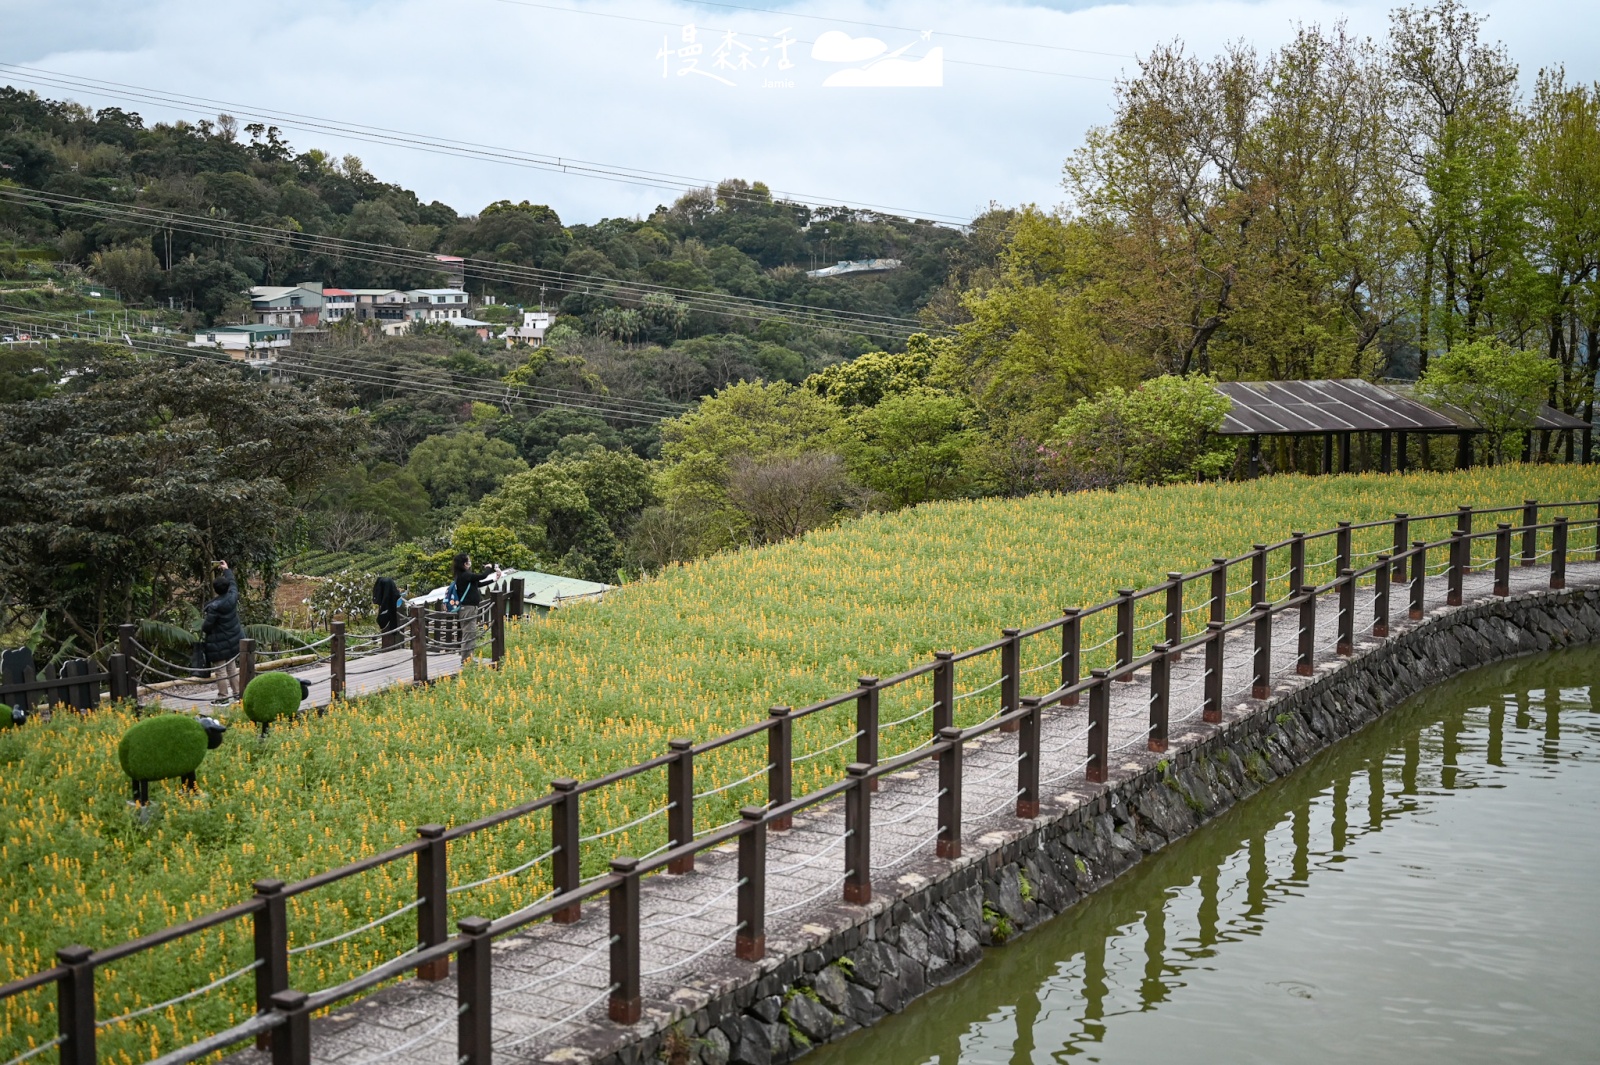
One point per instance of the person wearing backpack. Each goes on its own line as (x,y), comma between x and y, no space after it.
(462,598)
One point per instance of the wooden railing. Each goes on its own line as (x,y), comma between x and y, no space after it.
(1400,567)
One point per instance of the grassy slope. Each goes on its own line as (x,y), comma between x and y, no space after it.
(700,650)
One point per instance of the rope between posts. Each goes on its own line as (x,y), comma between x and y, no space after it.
(180,998)
(708,948)
(830,747)
(407,908)
(1047,665)
(823,853)
(1152,624)
(908,717)
(1201,606)
(829,886)
(408,1044)
(190,676)
(1103,643)
(990,776)
(914,812)
(40,1049)
(631,824)
(979,691)
(501,876)
(920,844)
(735,783)
(1065,773)
(728,824)
(1068,742)
(1003,804)
(559,973)
(1140,738)
(568,1019)
(675,917)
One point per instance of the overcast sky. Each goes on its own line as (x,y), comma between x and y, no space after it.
(624,83)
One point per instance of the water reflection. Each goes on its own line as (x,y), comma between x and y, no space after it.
(1241,943)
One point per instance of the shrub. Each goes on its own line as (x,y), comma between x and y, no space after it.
(1162,432)
(347,593)
(271,696)
(162,747)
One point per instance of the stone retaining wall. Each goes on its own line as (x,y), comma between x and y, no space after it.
(866,962)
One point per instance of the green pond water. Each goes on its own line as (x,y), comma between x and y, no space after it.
(1425,891)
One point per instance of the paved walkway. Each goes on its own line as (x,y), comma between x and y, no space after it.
(550,982)
(363,676)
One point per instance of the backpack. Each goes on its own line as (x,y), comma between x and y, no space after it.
(452,598)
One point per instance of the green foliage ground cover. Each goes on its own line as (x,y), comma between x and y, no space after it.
(701,649)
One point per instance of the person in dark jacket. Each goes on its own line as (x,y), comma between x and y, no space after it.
(222,634)
(467,593)
(386,596)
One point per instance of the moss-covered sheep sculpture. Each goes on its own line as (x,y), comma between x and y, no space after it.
(273,695)
(164,747)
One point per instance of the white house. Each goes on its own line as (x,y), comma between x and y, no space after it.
(249,342)
(531,332)
(297,306)
(337,304)
(436,304)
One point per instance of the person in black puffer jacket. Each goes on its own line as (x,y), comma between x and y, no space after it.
(222,632)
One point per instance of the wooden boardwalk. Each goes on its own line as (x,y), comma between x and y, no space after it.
(550,982)
(363,676)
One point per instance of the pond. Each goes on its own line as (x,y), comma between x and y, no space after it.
(1426,891)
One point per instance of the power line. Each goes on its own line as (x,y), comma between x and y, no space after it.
(511,273)
(666,181)
(333,367)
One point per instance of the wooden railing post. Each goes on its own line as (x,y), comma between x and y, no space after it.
(271,934)
(474,993)
(626,1003)
(1596,531)
(1558,554)
(419,646)
(949,844)
(519,596)
(1010,674)
(1342,547)
(1380,597)
(867,725)
(126,635)
(247,662)
(1029,752)
(1174,626)
(1402,536)
(1219,589)
(1258,573)
(1502,558)
(858,829)
(1160,695)
(1071,652)
(1459,546)
(497,628)
(1098,767)
(1306,649)
(336,661)
(1347,612)
(944,691)
(122,686)
(1530,534)
(1297,562)
(565,832)
(291,1044)
(680,803)
(750,941)
(1419,577)
(433,915)
(1464,527)
(1125,630)
(75,1006)
(1211,713)
(1261,662)
(780,764)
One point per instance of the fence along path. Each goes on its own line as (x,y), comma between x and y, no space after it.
(530,981)
(340,665)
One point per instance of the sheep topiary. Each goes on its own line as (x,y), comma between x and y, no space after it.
(163,747)
(271,696)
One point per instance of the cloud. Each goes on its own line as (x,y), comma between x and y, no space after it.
(892,73)
(836,46)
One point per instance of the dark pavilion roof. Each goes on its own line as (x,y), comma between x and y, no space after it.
(1283,408)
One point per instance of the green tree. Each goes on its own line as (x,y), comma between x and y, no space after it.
(911,446)
(866,379)
(117,494)
(1160,432)
(460,468)
(1502,389)
(131,269)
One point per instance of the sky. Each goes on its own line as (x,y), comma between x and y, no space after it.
(983,102)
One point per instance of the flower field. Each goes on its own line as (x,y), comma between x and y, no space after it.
(695,652)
